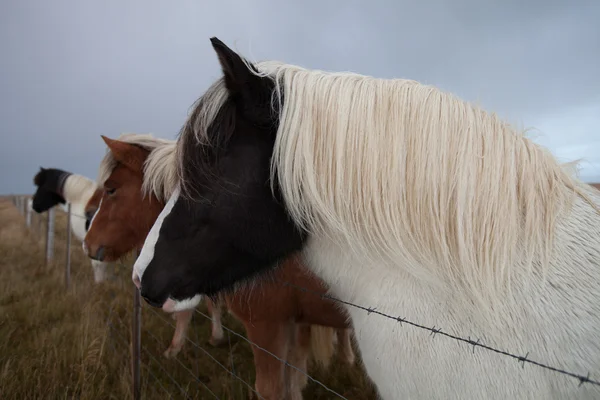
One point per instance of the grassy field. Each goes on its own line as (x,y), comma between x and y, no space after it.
(75,344)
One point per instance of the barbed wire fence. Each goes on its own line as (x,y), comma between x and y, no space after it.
(173,387)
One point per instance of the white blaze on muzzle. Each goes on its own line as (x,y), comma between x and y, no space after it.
(147,253)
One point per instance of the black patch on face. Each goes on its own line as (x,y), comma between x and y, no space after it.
(231,227)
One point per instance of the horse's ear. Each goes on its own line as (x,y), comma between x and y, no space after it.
(253,91)
(236,71)
(128,154)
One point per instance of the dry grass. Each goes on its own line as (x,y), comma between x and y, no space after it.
(63,344)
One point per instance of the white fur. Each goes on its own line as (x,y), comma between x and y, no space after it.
(172,305)
(78,190)
(101,270)
(147,253)
(559,326)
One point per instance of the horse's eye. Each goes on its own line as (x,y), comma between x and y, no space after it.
(110,192)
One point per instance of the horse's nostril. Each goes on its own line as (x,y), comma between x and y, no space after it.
(100,254)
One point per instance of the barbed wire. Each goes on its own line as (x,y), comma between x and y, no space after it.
(438,331)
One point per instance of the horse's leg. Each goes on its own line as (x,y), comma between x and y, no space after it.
(214,310)
(298,357)
(270,372)
(345,343)
(182,319)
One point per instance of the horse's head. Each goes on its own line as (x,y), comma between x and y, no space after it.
(124,215)
(224,224)
(45,197)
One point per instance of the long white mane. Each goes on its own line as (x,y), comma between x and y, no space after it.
(412,176)
(160,175)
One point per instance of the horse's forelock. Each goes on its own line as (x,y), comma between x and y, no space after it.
(158,167)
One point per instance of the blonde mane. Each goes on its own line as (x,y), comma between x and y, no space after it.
(408,175)
(160,175)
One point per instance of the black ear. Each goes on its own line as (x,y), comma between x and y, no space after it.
(234,68)
(252,92)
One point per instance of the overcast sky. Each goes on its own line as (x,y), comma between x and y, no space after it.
(73,70)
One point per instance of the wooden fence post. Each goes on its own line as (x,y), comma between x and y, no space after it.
(68,262)
(137,342)
(50,237)
(28,213)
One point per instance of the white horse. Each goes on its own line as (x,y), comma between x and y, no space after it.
(417,204)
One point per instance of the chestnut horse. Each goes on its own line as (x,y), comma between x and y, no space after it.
(55,186)
(137,177)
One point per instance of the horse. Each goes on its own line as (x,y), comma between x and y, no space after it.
(137,174)
(403,198)
(55,186)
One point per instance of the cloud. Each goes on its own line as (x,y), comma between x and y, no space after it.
(573,134)
(75,70)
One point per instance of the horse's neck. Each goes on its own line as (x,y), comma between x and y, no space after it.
(78,220)
(556,319)
(575,261)
(78,189)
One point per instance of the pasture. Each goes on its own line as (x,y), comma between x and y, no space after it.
(58,343)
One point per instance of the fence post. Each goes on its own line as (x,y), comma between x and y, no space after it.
(50,237)
(68,262)
(137,341)
(28,217)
